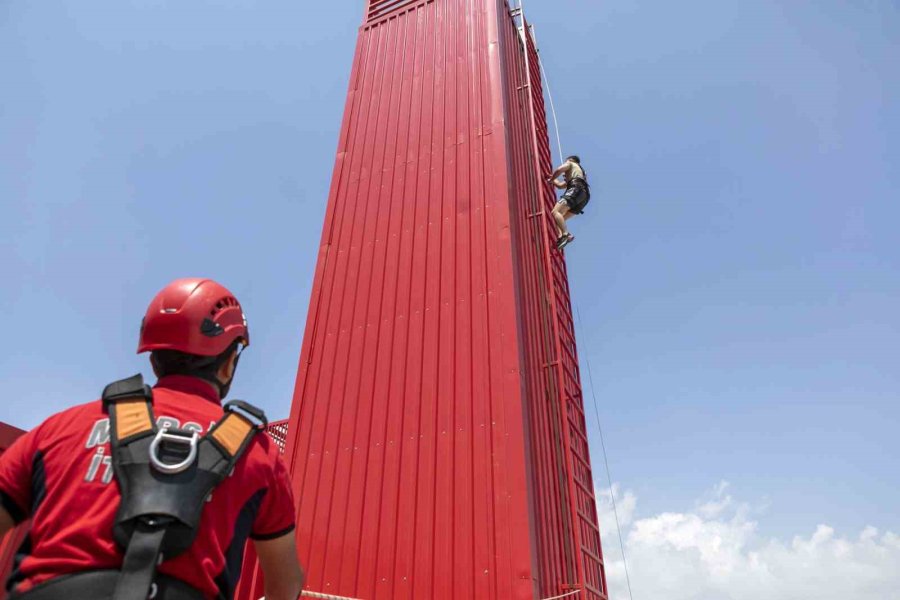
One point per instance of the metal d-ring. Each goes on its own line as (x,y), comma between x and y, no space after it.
(164,435)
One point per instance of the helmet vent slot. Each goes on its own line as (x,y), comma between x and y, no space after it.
(226,302)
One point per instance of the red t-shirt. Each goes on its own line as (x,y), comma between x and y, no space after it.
(60,475)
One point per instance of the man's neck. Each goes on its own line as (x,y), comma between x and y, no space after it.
(197,385)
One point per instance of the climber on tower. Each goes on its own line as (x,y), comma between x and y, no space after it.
(573,201)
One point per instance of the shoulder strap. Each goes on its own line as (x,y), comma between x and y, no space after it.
(234,432)
(129,403)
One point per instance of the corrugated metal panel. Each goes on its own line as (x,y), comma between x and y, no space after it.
(407,438)
(433,437)
(9,543)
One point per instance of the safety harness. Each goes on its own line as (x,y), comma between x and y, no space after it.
(580,181)
(165,478)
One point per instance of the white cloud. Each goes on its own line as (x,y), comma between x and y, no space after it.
(714,552)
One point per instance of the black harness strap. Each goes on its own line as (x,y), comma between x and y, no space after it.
(139,566)
(576,181)
(101,585)
(165,477)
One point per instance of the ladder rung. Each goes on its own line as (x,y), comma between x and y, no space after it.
(584,489)
(578,427)
(590,552)
(594,590)
(573,427)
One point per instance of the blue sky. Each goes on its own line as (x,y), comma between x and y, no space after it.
(736,272)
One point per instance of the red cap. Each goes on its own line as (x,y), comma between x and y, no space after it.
(195,316)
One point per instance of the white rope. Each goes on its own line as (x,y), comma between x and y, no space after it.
(552,108)
(306,594)
(549,95)
(564,595)
(612,495)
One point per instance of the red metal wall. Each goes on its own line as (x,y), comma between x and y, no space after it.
(12,540)
(406,436)
(430,439)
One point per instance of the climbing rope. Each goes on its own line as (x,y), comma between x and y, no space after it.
(612,495)
(564,595)
(306,594)
(552,107)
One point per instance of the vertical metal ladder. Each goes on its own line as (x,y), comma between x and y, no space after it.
(585,535)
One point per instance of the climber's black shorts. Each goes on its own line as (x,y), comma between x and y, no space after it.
(576,198)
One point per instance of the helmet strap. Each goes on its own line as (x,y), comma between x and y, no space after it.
(210,370)
(224,388)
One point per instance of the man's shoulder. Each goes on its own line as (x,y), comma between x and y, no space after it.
(62,425)
(263,451)
(86,410)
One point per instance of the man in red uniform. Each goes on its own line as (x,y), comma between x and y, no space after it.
(61,476)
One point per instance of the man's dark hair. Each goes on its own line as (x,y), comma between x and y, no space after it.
(175,362)
(574,158)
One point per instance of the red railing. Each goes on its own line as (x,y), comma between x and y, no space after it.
(10,543)
(251,585)
(379,8)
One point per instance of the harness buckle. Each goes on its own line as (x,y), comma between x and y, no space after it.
(180,437)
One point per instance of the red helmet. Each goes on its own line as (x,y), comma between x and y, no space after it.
(195,316)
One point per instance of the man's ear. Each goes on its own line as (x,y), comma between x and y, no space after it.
(226,369)
(154,365)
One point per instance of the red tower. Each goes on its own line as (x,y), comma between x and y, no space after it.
(437,440)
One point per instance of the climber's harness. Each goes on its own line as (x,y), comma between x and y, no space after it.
(579,183)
